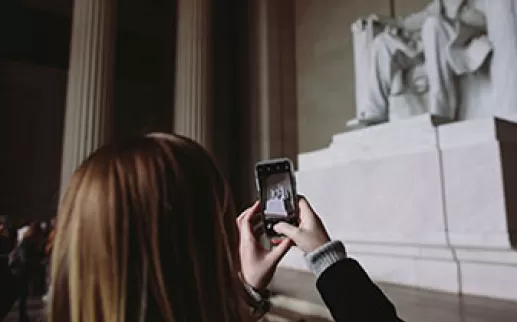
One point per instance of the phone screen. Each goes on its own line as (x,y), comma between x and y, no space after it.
(277,193)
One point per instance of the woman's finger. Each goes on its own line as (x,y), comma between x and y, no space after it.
(247,222)
(278,252)
(252,208)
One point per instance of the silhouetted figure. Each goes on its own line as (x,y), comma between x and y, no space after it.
(49,242)
(8,291)
(26,264)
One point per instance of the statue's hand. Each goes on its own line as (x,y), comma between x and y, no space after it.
(374,18)
(384,21)
(379,23)
(359,25)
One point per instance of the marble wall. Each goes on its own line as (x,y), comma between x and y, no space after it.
(325,66)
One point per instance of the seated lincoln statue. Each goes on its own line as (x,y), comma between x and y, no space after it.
(421,56)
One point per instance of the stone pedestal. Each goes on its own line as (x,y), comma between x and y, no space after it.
(421,203)
(89,105)
(193,94)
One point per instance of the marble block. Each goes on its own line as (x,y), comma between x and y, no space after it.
(389,139)
(389,171)
(422,203)
(480,180)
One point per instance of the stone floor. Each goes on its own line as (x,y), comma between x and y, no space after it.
(35,307)
(412,304)
(296,299)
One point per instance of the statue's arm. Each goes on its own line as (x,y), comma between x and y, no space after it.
(468,14)
(414,22)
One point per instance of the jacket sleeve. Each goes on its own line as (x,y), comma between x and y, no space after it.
(351,295)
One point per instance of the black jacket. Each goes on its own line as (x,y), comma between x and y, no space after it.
(27,258)
(351,295)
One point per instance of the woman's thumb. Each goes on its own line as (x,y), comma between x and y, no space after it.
(287,230)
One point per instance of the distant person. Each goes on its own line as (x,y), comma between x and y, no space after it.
(48,254)
(26,265)
(21,232)
(8,282)
(147,231)
(8,289)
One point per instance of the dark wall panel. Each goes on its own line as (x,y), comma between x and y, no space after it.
(231,95)
(32,109)
(34,36)
(34,57)
(140,109)
(138,58)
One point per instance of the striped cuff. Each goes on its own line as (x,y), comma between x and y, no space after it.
(322,258)
(260,304)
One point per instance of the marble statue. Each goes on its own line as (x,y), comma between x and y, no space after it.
(415,61)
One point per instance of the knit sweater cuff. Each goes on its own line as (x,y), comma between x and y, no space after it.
(322,258)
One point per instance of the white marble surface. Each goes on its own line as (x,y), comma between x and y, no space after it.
(386,202)
(408,136)
(475,199)
(502,23)
(488,91)
(357,197)
(474,183)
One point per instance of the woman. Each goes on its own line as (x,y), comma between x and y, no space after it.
(146,232)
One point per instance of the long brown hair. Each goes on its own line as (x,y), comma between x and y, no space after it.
(146,231)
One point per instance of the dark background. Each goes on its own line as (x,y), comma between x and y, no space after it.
(34,57)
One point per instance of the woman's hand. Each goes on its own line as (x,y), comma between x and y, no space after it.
(257,263)
(310,234)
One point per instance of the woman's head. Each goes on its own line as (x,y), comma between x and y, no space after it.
(146,231)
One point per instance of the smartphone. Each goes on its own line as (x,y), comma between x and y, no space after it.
(277,193)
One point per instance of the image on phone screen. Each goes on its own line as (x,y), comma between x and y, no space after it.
(277,194)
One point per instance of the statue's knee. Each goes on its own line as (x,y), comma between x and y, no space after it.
(432,25)
(380,43)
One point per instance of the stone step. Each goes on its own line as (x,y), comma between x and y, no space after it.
(285,308)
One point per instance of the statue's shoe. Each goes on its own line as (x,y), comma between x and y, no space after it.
(356,124)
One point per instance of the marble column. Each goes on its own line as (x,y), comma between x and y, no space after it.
(271,112)
(89,104)
(274,78)
(193,106)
